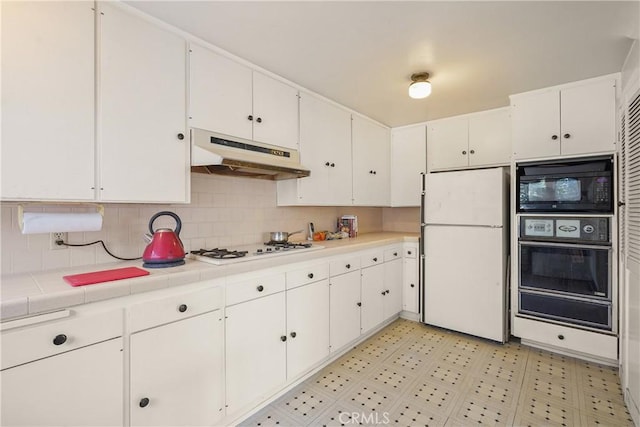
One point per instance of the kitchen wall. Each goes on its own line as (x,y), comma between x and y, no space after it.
(224,211)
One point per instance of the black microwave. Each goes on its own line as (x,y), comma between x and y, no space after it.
(576,185)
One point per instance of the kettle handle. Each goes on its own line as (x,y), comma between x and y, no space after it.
(167,213)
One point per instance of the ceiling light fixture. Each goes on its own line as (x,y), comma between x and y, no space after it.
(420,86)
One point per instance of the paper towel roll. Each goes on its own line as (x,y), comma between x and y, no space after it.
(43,222)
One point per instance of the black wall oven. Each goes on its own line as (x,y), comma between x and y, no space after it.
(565,269)
(566,186)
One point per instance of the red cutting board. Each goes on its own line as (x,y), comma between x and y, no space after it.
(104,276)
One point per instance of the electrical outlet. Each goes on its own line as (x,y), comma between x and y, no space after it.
(56,237)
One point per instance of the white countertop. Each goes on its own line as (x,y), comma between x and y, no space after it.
(39,292)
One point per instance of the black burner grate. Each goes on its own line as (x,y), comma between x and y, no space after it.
(220,253)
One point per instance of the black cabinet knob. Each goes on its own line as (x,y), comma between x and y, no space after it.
(259,120)
(371,172)
(472,151)
(327,164)
(374,172)
(250,117)
(560,337)
(409,252)
(375,260)
(293,334)
(554,137)
(260,288)
(395,254)
(283,338)
(60,339)
(359,304)
(387,291)
(182,308)
(348,266)
(567,135)
(310,275)
(333,165)
(413,286)
(464,151)
(384,292)
(181,136)
(144,402)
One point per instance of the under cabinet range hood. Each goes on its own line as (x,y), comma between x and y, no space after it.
(222,154)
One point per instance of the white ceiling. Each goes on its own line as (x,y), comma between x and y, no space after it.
(362,54)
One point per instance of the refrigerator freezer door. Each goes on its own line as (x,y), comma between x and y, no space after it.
(464,287)
(470,197)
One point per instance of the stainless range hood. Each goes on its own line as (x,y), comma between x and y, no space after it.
(222,154)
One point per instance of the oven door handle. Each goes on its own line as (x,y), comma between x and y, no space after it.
(565,245)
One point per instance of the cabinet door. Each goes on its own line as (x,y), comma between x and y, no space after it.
(220,93)
(81,387)
(588,118)
(372,286)
(275,112)
(142,111)
(393,288)
(447,143)
(255,351)
(307,327)
(325,148)
(408,161)
(536,125)
(178,368)
(370,146)
(410,285)
(490,138)
(345,309)
(48,100)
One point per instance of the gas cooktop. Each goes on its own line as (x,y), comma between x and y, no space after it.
(220,256)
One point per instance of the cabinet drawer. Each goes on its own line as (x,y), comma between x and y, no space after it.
(254,287)
(175,307)
(22,345)
(343,265)
(392,253)
(372,258)
(563,337)
(410,251)
(307,275)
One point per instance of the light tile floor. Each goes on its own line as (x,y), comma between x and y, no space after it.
(410,374)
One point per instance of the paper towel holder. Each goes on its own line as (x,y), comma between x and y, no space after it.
(21,207)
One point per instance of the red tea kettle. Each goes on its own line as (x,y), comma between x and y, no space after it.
(165,248)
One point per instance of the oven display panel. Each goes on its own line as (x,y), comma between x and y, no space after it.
(538,227)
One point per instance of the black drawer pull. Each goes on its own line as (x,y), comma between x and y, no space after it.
(144,402)
(310,275)
(359,304)
(561,337)
(395,254)
(260,288)
(283,338)
(293,334)
(409,252)
(182,308)
(60,339)
(375,260)
(348,266)
(413,286)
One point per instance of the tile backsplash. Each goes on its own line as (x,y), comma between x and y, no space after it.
(224,211)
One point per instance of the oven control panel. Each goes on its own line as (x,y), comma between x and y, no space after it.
(565,229)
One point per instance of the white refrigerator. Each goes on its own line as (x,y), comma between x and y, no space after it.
(465,252)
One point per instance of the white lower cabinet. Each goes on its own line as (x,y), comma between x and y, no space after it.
(372,297)
(410,283)
(81,387)
(307,327)
(344,309)
(256,350)
(176,373)
(392,298)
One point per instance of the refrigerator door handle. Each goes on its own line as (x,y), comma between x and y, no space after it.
(421,243)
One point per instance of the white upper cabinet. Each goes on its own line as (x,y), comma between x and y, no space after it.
(144,149)
(48,100)
(471,140)
(325,148)
(408,161)
(230,98)
(569,120)
(370,147)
